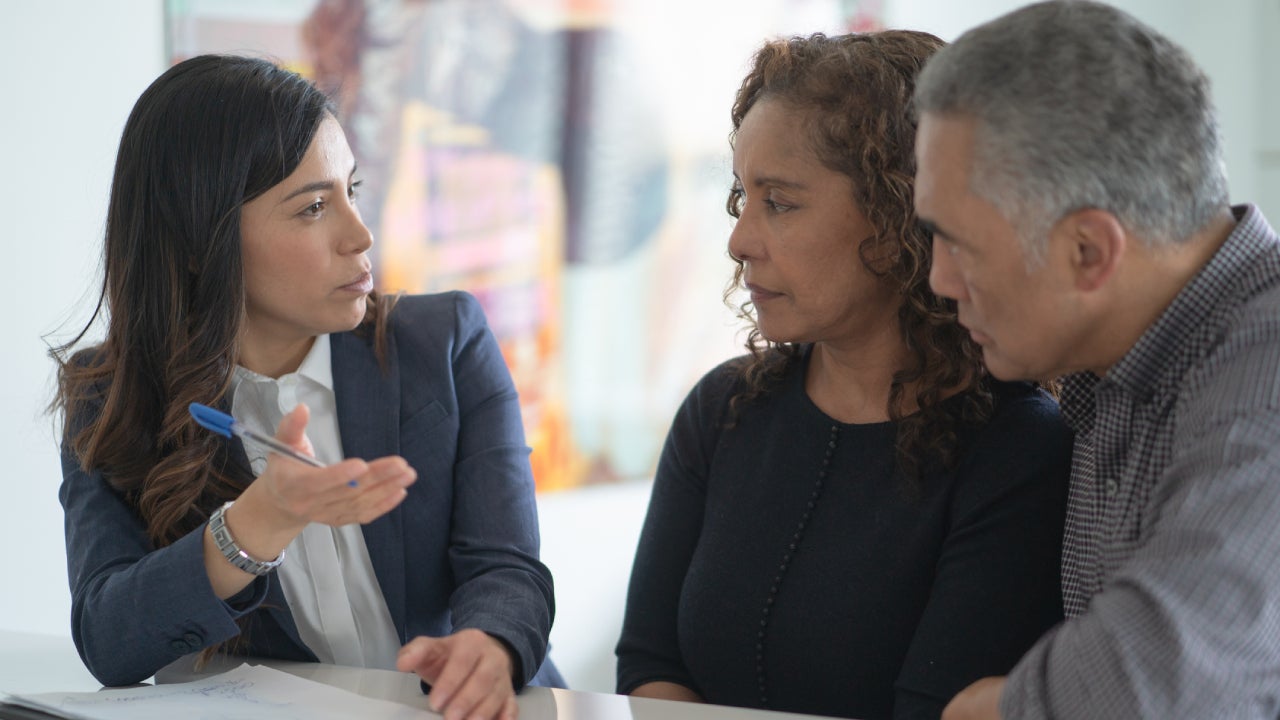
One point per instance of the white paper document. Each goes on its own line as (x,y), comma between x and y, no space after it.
(245,693)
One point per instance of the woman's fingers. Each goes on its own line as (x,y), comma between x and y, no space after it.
(292,429)
(352,491)
(469,671)
(305,492)
(378,491)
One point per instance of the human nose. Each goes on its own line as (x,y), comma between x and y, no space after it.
(356,237)
(944,273)
(743,244)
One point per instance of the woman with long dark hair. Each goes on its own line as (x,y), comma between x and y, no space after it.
(238,276)
(854,519)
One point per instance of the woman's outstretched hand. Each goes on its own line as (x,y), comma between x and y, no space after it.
(289,495)
(351,491)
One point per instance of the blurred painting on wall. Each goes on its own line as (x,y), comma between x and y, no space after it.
(565,161)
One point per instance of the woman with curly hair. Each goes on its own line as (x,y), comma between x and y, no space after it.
(238,275)
(854,519)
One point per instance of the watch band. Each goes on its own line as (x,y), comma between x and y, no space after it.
(231,551)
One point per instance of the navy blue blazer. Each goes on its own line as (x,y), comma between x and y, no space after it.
(460,552)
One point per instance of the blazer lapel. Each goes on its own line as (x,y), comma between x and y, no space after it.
(368,404)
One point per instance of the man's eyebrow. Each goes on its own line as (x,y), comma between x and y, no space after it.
(315,186)
(932,228)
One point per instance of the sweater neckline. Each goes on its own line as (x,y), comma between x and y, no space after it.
(794,386)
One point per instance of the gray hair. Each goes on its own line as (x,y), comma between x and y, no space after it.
(1079,105)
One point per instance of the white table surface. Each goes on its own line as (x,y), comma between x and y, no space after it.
(31,663)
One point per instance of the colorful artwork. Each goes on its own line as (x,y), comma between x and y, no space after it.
(566,161)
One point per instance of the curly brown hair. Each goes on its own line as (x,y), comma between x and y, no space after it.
(854,92)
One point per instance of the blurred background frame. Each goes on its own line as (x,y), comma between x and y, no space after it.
(565,161)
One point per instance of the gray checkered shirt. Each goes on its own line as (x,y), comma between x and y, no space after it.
(1171,559)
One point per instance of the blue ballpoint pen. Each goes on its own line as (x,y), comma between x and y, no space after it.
(225,425)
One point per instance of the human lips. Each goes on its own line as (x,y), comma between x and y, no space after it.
(363,284)
(978,336)
(760,294)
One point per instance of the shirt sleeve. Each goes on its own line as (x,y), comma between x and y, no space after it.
(1189,626)
(502,587)
(135,608)
(649,649)
(997,586)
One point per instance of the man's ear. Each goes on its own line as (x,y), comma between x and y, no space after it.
(1096,243)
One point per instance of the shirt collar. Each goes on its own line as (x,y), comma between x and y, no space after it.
(1165,348)
(317,366)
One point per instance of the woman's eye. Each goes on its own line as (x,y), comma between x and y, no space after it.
(775,206)
(314,208)
(353,192)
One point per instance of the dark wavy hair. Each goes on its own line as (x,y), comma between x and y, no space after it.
(207,136)
(854,93)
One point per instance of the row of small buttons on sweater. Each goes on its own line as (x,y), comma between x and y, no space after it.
(786,560)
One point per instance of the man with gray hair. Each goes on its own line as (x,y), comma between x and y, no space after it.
(1070,168)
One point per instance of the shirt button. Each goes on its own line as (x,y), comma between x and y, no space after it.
(193,639)
(179,646)
(1112,487)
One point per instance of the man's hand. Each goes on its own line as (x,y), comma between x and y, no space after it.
(469,673)
(979,701)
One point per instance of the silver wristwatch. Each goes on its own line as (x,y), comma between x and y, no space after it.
(231,551)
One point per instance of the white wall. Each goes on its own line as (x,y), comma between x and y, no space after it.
(71,74)
(1268,87)
(73,70)
(588,540)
